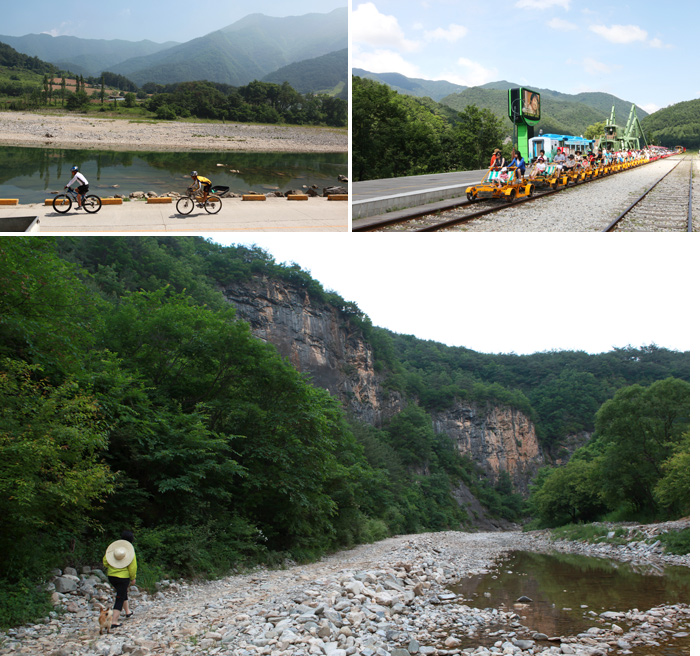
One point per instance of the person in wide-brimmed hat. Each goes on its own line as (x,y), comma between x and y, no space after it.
(120,561)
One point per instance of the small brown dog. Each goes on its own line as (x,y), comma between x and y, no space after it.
(105,619)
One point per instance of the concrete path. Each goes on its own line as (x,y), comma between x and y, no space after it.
(375,197)
(236,215)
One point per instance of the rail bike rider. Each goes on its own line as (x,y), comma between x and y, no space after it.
(82,187)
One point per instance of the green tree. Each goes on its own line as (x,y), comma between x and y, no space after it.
(130,99)
(637,431)
(567,494)
(51,471)
(77,101)
(673,490)
(594,131)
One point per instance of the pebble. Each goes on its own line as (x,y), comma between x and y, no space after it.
(374,600)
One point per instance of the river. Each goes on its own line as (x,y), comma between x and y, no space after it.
(31,174)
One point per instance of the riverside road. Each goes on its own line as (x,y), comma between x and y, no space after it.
(271,215)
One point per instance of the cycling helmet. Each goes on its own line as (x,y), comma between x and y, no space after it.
(74,169)
(193,174)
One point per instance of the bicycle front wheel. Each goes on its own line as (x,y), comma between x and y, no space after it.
(185,205)
(92,204)
(213,204)
(62,203)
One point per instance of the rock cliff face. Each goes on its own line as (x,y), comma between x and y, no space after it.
(498,439)
(320,341)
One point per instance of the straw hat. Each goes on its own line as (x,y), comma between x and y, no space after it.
(120,554)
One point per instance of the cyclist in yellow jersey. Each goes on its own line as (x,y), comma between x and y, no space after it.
(201,185)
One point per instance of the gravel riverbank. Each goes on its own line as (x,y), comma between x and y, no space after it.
(67,131)
(385,599)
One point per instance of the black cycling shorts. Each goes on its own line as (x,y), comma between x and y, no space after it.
(83,189)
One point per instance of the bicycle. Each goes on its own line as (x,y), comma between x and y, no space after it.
(212,205)
(63,202)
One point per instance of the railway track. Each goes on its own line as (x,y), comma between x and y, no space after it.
(667,206)
(465,212)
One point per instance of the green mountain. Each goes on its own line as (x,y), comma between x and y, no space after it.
(82,56)
(562,112)
(324,73)
(675,125)
(436,90)
(16,61)
(248,50)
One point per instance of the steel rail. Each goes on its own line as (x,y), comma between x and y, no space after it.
(690,199)
(612,225)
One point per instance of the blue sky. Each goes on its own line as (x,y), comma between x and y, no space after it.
(175,20)
(643,52)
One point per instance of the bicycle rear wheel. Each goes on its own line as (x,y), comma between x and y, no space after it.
(213,204)
(185,205)
(92,204)
(62,203)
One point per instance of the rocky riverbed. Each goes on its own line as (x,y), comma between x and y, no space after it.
(69,131)
(385,599)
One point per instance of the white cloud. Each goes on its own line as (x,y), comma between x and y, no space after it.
(620,33)
(379,30)
(451,34)
(471,74)
(650,108)
(562,25)
(542,4)
(658,43)
(593,67)
(383,61)
(62,30)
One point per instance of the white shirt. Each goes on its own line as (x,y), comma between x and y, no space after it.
(78,177)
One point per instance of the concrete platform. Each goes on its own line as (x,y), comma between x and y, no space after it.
(376,197)
(272,215)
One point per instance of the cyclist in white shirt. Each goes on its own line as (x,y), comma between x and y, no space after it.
(82,187)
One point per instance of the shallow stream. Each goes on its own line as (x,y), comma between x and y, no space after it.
(568,591)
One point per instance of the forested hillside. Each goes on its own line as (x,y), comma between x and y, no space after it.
(131,395)
(675,125)
(396,135)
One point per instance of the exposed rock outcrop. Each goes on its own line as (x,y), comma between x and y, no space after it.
(320,340)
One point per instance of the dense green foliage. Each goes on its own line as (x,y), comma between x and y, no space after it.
(637,466)
(675,125)
(10,58)
(396,135)
(262,102)
(560,390)
(130,402)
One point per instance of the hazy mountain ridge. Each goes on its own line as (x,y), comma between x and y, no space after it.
(436,90)
(324,72)
(86,56)
(249,49)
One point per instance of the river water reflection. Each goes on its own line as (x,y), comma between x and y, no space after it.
(30,174)
(566,588)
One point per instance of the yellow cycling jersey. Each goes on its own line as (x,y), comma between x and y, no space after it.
(203,180)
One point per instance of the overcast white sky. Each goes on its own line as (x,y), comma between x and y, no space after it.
(507,293)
